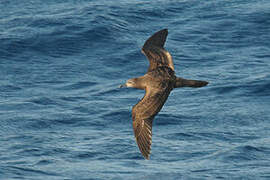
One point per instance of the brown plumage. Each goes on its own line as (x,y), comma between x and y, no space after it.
(158,82)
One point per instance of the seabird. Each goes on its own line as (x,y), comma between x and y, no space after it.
(158,82)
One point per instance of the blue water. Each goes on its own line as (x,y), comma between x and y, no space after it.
(63,117)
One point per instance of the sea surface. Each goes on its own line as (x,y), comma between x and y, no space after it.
(64,117)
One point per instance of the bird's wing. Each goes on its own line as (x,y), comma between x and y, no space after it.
(143,115)
(154,51)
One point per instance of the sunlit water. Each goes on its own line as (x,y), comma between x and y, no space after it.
(62,115)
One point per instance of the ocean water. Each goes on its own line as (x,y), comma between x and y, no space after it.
(63,117)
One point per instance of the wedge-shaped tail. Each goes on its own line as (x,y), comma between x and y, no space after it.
(181,82)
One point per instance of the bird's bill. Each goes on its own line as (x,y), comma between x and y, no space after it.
(122,86)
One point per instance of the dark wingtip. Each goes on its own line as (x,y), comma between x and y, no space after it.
(147,157)
(165,30)
(157,39)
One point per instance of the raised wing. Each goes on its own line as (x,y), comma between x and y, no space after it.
(143,115)
(154,51)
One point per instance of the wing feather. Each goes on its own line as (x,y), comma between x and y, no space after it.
(143,115)
(155,53)
(157,39)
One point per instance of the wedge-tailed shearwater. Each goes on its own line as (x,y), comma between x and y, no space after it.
(158,82)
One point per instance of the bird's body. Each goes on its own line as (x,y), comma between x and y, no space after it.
(158,82)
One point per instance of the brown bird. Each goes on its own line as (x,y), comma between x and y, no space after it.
(158,82)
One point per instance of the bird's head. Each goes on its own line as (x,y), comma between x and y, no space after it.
(129,83)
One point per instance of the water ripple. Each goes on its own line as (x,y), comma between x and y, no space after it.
(64,117)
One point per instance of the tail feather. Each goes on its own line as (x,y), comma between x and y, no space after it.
(181,82)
